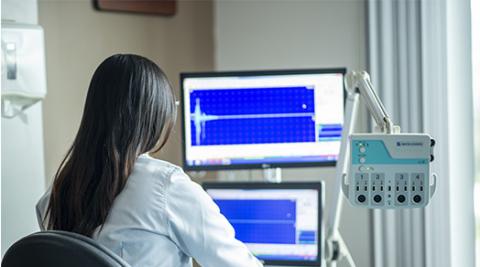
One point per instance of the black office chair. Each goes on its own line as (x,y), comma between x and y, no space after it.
(58,249)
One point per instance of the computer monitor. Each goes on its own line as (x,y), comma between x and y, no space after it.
(280,223)
(262,119)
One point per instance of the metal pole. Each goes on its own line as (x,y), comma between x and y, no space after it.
(335,212)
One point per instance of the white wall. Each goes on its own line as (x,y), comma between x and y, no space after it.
(78,38)
(297,34)
(23,11)
(289,34)
(23,173)
(23,180)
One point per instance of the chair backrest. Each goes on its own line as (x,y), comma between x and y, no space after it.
(59,248)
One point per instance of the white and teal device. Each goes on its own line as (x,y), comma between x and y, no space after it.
(390,170)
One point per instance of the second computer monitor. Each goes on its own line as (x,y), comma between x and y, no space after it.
(262,119)
(281,223)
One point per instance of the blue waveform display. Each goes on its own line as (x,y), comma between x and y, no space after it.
(252,116)
(261,221)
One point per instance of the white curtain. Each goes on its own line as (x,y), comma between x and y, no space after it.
(418,59)
(395,67)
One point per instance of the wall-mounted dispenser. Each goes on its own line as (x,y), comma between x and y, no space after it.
(23,67)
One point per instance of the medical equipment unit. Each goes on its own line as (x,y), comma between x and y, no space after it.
(386,169)
(262,119)
(280,223)
(389,170)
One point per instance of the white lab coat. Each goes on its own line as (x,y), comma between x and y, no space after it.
(162,218)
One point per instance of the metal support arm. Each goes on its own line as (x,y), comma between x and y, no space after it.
(357,83)
(334,251)
(360,80)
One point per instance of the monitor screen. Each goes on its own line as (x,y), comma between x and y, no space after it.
(262,119)
(278,225)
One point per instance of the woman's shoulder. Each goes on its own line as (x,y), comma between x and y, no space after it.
(146,158)
(171,176)
(157,167)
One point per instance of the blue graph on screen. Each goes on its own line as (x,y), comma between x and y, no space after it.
(252,116)
(261,221)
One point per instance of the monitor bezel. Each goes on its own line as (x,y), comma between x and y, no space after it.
(318,186)
(247,166)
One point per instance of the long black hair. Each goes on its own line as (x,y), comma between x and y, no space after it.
(129,110)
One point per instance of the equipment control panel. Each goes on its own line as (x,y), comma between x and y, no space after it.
(390,170)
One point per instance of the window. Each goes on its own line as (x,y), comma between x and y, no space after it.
(475,6)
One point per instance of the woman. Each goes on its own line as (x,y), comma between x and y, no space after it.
(146,210)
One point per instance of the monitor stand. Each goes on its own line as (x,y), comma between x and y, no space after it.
(272,175)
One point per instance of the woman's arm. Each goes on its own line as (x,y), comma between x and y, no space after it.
(199,229)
